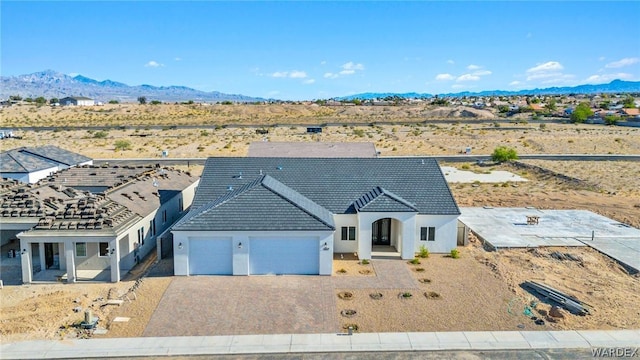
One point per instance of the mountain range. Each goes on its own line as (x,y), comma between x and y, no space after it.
(50,84)
(615,86)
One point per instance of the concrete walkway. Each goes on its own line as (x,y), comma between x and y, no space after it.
(304,343)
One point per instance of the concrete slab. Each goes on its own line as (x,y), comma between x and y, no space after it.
(508,228)
(423,341)
(453,175)
(570,337)
(121,319)
(452,340)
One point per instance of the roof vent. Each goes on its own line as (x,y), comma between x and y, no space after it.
(422,161)
(155,183)
(229,188)
(240,175)
(279,167)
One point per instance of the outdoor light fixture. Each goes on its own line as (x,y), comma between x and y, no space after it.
(180,246)
(24,251)
(113,251)
(326,246)
(239,245)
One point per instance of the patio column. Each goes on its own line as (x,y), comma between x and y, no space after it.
(408,238)
(114,253)
(69,253)
(25,259)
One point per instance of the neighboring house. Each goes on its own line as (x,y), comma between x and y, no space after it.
(92,222)
(31,164)
(289,215)
(312,149)
(630,112)
(77,101)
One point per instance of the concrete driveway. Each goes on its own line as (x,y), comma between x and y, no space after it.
(228,305)
(243,305)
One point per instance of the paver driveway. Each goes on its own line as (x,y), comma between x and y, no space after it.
(241,305)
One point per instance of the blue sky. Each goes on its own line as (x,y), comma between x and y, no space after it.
(315,50)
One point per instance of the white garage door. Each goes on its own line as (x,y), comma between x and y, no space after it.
(300,255)
(210,256)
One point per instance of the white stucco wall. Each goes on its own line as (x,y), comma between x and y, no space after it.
(446,232)
(32,177)
(345,246)
(241,255)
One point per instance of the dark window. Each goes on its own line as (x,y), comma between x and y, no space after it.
(141,236)
(348,233)
(104,249)
(164,216)
(352,232)
(81,249)
(428,233)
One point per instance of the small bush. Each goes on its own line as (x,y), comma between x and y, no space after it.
(465,167)
(423,252)
(100,135)
(414,261)
(455,253)
(342,271)
(364,262)
(123,145)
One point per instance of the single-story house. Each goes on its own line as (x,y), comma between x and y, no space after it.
(32,164)
(77,101)
(267,215)
(92,223)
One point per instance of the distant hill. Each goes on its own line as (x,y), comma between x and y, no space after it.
(50,83)
(616,86)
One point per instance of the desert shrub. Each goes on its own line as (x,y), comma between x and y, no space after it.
(342,271)
(414,261)
(358,132)
(465,167)
(100,134)
(423,252)
(455,253)
(503,153)
(123,145)
(364,262)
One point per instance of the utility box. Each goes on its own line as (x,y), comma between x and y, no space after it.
(314,130)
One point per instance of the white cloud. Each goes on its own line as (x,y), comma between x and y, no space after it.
(451,62)
(458,86)
(153,63)
(347,72)
(529,35)
(605,78)
(474,67)
(444,77)
(622,63)
(295,74)
(352,66)
(548,66)
(323,62)
(298,74)
(515,83)
(309,81)
(329,75)
(482,73)
(558,79)
(73,74)
(178,59)
(468,77)
(602,58)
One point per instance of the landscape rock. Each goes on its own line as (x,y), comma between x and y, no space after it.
(556,312)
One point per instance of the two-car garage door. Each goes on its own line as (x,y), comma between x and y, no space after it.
(267,256)
(300,255)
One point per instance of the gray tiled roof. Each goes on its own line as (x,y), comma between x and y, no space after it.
(16,161)
(29,159)
(335,183)
(58,154)
(263,204)
(381,200)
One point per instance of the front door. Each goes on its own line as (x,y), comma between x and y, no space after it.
(381,232)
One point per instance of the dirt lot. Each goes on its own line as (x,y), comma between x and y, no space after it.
(479,291)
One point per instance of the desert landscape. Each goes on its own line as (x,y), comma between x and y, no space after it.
(487,296)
